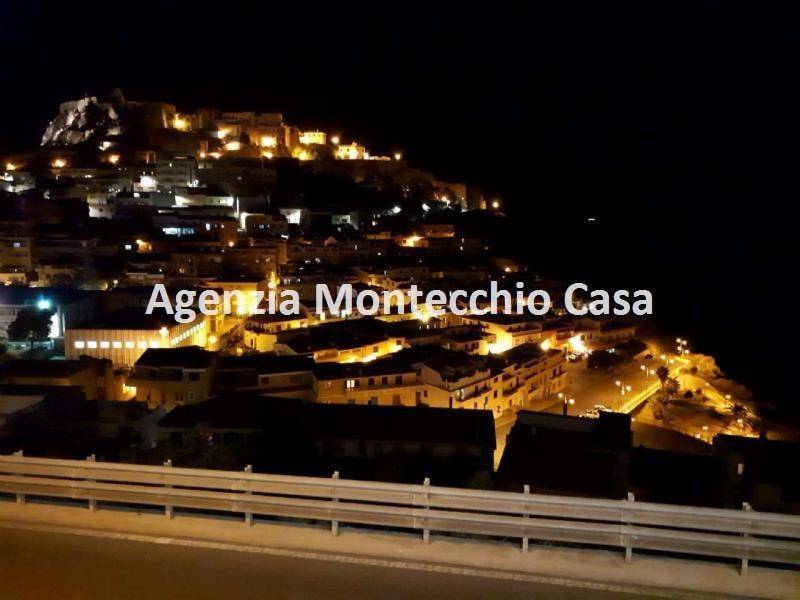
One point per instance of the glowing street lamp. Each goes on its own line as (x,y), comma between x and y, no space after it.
(496,204)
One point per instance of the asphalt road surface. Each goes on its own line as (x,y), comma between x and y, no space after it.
(35,565)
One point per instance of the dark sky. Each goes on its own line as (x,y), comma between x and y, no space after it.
(675,121)
(583,91)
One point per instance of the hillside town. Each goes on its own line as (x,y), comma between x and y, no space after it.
(123,195)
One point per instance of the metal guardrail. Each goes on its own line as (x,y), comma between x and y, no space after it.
(743,535)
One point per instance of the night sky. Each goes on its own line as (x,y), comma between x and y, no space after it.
(671,123)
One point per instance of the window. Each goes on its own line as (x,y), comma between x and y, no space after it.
(194,376)
(116,344)
(79,345)
(350,384)
(375,348)
(142,345)
(105,345)
(91,344)
(129,345)
(398,379)
(371,381)
(155,344)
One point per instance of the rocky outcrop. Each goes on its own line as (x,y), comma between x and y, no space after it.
(80,120)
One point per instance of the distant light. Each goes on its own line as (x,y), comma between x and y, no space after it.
(59,163)
(223,133)
(268,141)
(233,146)
(230,244)
(202,155)
(180,124)
(163,331)
(113,158)
(148,182)
(398,156)
(425,207)
(335,140)
(396,210)
(43,304)
(215,154)
(267,154)
(11,166)
(495,204)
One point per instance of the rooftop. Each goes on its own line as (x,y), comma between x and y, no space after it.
(189,357)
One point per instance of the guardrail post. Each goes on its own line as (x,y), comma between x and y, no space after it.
(92,502)
(248,516)
(426,533)
(20,497)
(629,546)
(334,522)
(168,511)
(743,567)
(526,489)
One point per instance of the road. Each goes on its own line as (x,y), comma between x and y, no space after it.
(589,388)
(38,565)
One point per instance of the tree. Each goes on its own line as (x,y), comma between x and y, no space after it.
(31,325)
(663,374)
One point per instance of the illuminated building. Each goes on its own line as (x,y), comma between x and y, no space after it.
(95,378)
(313,137)
(350,152)
(181,123)
(262,331)
(124,335)
(385,382)
(172,377)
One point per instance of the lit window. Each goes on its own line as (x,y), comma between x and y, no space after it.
(80,345)
(129,345)
(91,344)
(155,344)
(104,344)
(143,345)
(116,344)
(351,383)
